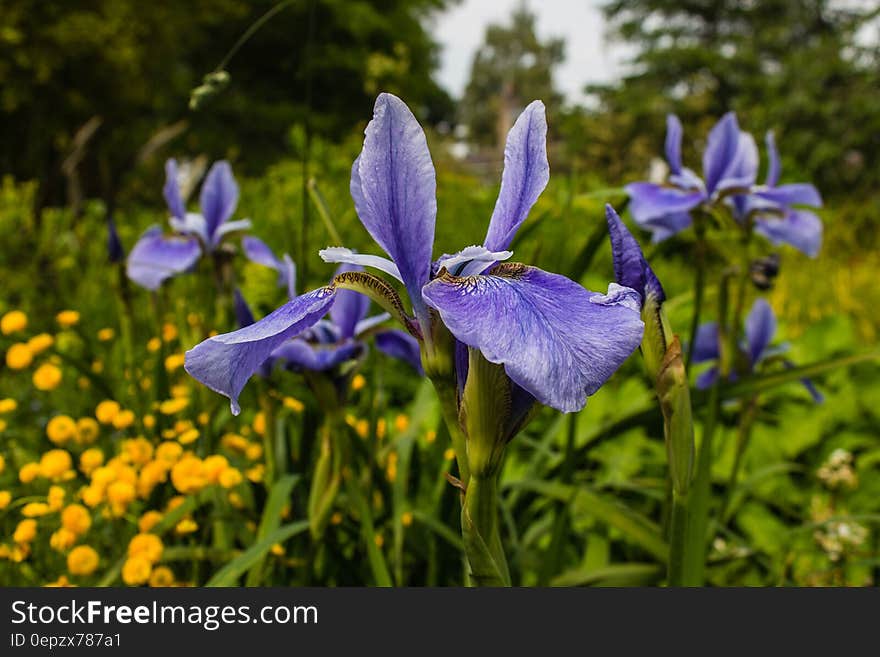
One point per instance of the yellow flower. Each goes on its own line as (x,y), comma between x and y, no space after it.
(5,498)
(449,454)
(106,334)
(82,560)
(18,356)
(379,540)
(92,495)
(406,518)
(2,464)
(136,571)
(40,342)
(137,450)
(12,322)
(277,549)
(174,502)
(358,382)
(362,428)
(260,423)
(203,419)
(391,467)
(152,474)
(25,531)
(29,472)
(47,377)
(91,459)
(430,437)
(62,539)
(169,332)
(149,520)
(214,465)
(35,509)
(60,429)
(55,498)
(149,421)
(401,423)
(172,406)
(76,518)
(188,475)
(7,405)
(230,477)
(235,500)
(87,430)
(186,526)
(188,436)
(154,344)
(336,518)
(381,428)
(294,404)
(254,451)
(67,318)
(61,582)
(146,545)
(234,441)
(256,473)
(120,494)
(162,576)
(169,452)
(123,419)
(174,362)
(55,463)
(106,411)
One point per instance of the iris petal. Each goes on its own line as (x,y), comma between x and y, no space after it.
(792,194)
(557,340)
(673,143)
(706,345)
(341,254)
(225,362)
(393,185)
(219,196)
(401,345)
(760,327)
(630,267)
(229,227)
(651,205)
(300,355)
(721,150)
(774,166)
(156,258)
(191,224)
(171,190)
(526,173)
(470,260)
(800,228)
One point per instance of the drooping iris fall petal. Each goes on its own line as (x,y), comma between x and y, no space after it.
(557,340)
(156,258)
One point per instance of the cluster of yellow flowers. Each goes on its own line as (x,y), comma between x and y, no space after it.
(20,355)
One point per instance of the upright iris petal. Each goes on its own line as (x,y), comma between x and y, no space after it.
(526,174)
(721,150)
(171,190)
(393,185)
(156,258)
(630,267)
(225,362)
(218,198)
(673,144)
(555,339)
(760,327)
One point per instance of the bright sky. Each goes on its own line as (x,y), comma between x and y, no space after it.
(587,58)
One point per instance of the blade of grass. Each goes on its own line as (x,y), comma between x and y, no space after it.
(279,496)
(228,575)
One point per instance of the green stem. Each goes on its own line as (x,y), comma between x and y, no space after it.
(480,531)
(678,540)
(449,407)
(550,564)
(744,433)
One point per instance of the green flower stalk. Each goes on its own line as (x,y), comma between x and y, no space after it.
(662,354)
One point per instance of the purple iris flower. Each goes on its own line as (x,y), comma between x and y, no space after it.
(730,170)
(557,341)
(760,327)
(115,251)
(630,267)
(729,163)
(771,205)
(155,257)
(329,342)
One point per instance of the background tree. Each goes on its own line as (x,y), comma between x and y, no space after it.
(95,87)
(796,66)
(510,69)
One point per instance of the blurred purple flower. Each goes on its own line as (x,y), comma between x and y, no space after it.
(161,257)
(760,326)
(557,341)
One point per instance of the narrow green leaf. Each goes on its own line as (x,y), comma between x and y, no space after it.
(229,574)
(279,495)
(632,574)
